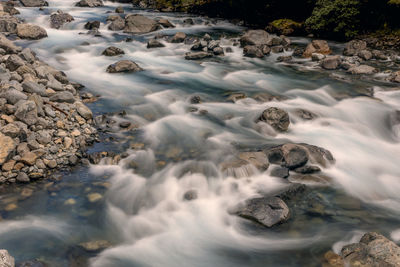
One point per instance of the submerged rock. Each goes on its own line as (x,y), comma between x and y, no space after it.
(96,245)
(197,55)
(124,66)
(277,118)
(58,19)
(267,211)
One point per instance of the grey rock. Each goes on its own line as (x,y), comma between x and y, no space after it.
(331,62)
(34,88)
(58,19)
(62,97)
(7,146)
(140,24)
(14,62)
(166,23)
(365,54)
(179,37)
(13,96)
(10,130)
(90,3)
(23,177)
(83,110)
(253,51)
(197,55)
(268,211)
(353,47)
(27,55)
(26,112)
(277,118)
(117,24)
(34,3)
(255,37)
(277,49)
(218,51)
(153,43)
(8,45)
(280,172)
(28,31)
(90,25)
(124,66)
(113,51)
(119,9)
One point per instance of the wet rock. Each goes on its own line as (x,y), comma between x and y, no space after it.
(197,55)
(372,250)
(90,25)
(113,51)
(90,3)
(257,159)
(277,118)
(253,51)
(166,23)
(153,43)
(331,62)
(8,45)
(255,37)
(362,69)
(124,66)
(179,37)
(6,260)
(96,245)
(332,259)
(117,23)
(119,9)
(58,19)
(298,52)
(140,24)
(63,97)
(305,114)
(190,195)
(94,197)
(188,21)
(32,263)
(7,146)
(317,57)
(26,112)
(267,211)
(317,46)
(378,54)
(365,54)
(395,77)
(277,49)
(218,51)
(280,172)
(354,47)
(34,3)
(284,59)
(23,178)
(29,31)
(308,169)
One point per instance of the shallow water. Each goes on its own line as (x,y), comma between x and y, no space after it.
(143,213)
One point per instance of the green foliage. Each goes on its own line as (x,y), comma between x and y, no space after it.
(337,18)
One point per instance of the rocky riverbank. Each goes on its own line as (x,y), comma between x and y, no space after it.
(44,125)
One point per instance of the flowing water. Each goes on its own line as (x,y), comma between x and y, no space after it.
(143,213)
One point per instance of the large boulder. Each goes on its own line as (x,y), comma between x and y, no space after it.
(27,112)
(7,146)
(317,46)
(354,47)
(267,211)
(59,18)
(255,37)
(123,66)
(6,260)
(117,23)
(29,31)
(373,250)
(277,118)
(90,3)
(140,24)
(34,3)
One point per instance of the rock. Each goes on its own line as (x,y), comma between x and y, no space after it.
(253,51)
(380,55)
(298,52)
(372,250)
(8,45)
(34,3)
(83,110)
(268,211)
(179,37)
(277,49)
(332,259)
(294,156)
(14,62)
(257,159)
(331,62)
(190,195)
(8,23)
(29,158)
(153,43)
(113,51)
(197,55)
(362,69)
(13,96)
(353,47)
(90,25)
(277,118)
(140,24)
(317,46)
(166,23)
(94,197)
(8,166)
(34,88)
(280,172)
(23,177)
(255,37)
(6,260)
(62,97)
(395,77)
(188,21)
(29,31)
(317,57)
(95,246)
(32,263)
(365,54)
(90,3)
(7,146)
(119,9)
(284,58)
(218,51)
(308,169)
(117,24)
(124,66)
(10,130)
(26,112)
(58,19)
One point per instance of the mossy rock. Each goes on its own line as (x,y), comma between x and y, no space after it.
(285,27)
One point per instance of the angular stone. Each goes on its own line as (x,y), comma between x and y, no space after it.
(277,118)
(7,146)
(26,112)
(29,158)
(179,37)
(63,97)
